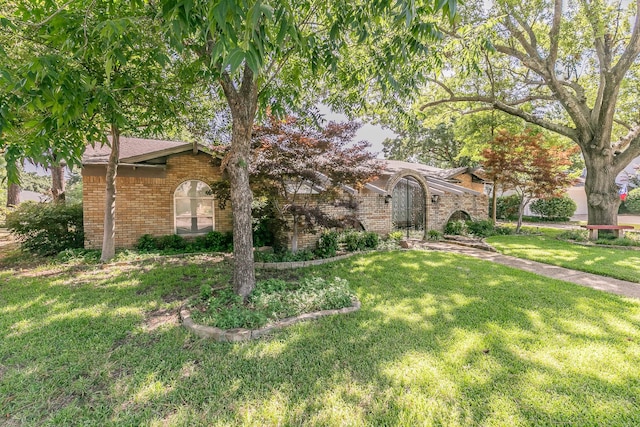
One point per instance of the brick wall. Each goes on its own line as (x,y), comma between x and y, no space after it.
(144,199)
(144,202)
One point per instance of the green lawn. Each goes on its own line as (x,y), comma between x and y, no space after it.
(441,339)
(619,263)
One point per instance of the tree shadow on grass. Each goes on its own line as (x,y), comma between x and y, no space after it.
(440,339)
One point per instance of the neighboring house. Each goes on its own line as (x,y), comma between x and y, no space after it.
(163,188)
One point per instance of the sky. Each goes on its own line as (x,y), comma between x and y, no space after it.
(374,134)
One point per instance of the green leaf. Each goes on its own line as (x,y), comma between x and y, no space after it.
(234,59)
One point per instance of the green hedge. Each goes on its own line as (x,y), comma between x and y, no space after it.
(554,208)
(47,228)
(632,202)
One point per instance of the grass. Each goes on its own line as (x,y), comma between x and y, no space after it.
(441,339)
(618,263)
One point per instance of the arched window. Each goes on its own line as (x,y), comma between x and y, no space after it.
(193,203)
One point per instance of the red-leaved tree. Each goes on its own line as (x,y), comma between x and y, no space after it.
(524,163)
(301,168)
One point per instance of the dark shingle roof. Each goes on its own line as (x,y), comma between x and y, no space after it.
(135,150)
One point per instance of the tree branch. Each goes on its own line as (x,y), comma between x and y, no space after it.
(631,52)
(554,36)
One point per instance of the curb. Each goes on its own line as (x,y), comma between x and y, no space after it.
(241,334)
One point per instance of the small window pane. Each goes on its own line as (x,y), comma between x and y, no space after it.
(183,207)
(182,190)
(204,225)
(183,225)
(204,207)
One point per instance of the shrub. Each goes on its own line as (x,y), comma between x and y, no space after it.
(434,235)
(327,245)
(556,208)
(370,239)
(632,202)
(457,227)
(395,235)
(47,228)
(482,228)
(218,242)
(352,241)
(507,207)
(171,242)
(146,243)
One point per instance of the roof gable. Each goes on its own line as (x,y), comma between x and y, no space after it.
(138,150)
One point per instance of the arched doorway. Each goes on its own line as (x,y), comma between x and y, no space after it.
(459,216)
(409,207)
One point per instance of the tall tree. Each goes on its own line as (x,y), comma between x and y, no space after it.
(525,164)
(436,146)
(263,53)
(98,67)
(562,65)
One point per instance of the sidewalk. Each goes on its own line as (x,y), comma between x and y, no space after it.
(601,283)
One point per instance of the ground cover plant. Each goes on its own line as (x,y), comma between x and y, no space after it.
(441,339)
(270,301)
(547,248)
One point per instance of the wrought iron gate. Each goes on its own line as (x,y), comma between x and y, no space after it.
(409,207)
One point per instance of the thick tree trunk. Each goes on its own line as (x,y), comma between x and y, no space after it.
(244,278)
(108,239)
(243,103)
(57,184)
(602,192)
(13,195)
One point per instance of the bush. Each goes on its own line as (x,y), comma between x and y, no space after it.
(352,241)
(171,242)
(482,228)
(370,239)
(507,207)
(555,208)
(434,235)
(217,242)
(632,202)
(327,245)
(395,235)
(146,243)
(457,227)
(47,228)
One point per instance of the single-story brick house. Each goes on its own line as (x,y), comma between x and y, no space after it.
(162,188)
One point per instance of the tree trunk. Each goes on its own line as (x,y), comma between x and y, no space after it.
(494,203)
(520,214)
(108,239)
(602,192)
(243,103)
(244,278)
(58,184)
(294,235)
(13,195)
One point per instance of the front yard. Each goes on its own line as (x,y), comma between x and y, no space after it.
(441,339)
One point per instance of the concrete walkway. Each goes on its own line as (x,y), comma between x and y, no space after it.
(601,283)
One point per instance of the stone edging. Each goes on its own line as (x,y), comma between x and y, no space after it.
(241,334)
(300,264)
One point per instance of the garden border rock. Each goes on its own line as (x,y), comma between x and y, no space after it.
(241,334)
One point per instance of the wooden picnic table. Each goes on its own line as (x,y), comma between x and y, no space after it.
(618,230)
